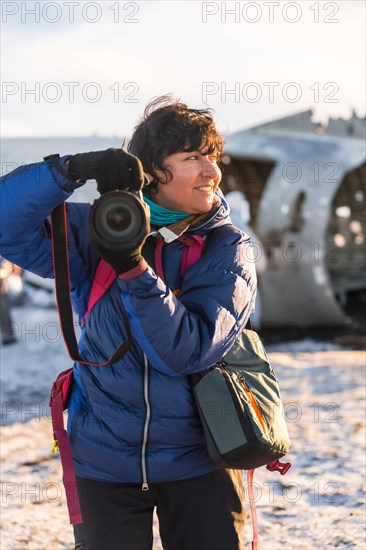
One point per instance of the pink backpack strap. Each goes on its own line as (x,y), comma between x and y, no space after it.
(193,250)
(105,274)
(104,277)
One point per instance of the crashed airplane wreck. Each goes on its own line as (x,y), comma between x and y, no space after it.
(306,187)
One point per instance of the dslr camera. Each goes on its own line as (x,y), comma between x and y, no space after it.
(119,218)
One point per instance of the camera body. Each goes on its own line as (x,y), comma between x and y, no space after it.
(119,219)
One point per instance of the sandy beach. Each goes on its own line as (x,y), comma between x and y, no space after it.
(319,504)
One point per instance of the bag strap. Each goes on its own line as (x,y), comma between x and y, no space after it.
(60,260)
(62,444)
(253,508)
(62,287)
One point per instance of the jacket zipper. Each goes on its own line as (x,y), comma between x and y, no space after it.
(145,485)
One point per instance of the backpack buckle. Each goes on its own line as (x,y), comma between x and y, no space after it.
(277,466)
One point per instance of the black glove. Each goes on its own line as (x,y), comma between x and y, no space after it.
(121,260)
(113,169)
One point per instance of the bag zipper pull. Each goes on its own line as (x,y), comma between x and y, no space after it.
(145,487)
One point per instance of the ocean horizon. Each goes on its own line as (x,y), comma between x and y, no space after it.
(26,150)
(15,152)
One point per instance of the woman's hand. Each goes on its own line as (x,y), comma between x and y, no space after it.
(113,169)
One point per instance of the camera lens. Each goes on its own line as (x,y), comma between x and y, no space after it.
(118,218)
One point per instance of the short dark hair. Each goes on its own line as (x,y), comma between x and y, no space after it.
(167,127)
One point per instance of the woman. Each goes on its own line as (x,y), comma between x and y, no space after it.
(135,433)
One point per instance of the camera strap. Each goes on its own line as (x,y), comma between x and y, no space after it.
(62,288)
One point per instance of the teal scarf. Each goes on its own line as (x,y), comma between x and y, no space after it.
(162,217)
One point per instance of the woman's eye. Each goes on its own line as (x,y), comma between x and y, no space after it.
(212,158)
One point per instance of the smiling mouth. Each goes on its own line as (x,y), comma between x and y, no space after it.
(205,188)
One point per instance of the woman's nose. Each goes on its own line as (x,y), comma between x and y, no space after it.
(210,170)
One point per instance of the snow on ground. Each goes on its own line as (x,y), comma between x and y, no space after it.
(319,504)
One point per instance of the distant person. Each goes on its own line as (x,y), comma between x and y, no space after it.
(16,291)
(134,429)
(240,216)
(7,326)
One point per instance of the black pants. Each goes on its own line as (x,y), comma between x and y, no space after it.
(201,513)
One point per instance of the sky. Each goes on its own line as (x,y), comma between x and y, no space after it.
(75,68)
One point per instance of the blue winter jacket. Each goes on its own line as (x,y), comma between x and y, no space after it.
(135,421)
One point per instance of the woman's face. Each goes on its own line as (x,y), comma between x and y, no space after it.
(196,176)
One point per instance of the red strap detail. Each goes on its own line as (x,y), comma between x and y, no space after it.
(277,466)
(158,259)
(69,480)
(253,509)
(135,271)
(104,277)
